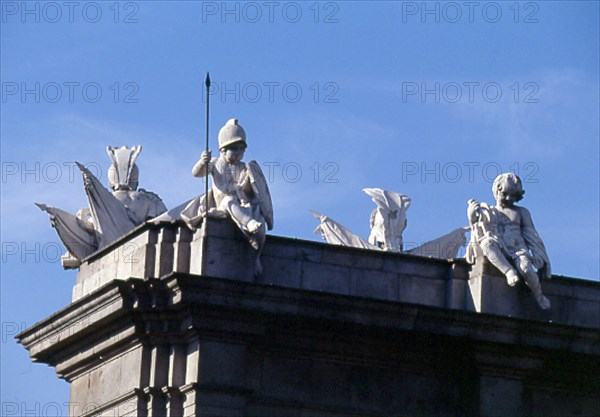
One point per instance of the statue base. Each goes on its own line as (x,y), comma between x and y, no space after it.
(215,249)
(180,326)
(490,293)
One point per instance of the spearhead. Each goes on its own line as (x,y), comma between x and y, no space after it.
(42,207)
(207,80)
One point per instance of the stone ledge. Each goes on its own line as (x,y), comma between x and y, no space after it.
(176,291)
(152,251)
(232,344)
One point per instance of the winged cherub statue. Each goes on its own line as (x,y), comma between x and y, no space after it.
(239,189)
(506,236)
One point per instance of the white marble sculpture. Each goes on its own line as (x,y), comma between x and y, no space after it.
(506,236)
(444,247)
(388,221)
(110,215)
(239,189)
(336,234)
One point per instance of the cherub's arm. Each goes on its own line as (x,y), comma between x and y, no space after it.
(200,169)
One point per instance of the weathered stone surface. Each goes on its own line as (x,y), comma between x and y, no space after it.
(157,250)
(110,215)
(325,331)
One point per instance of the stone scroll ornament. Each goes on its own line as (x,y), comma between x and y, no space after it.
(110,215)
(388,222)
(506,236)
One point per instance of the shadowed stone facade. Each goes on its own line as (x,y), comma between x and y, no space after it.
(170,322)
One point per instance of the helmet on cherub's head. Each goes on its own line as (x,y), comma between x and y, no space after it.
(231,133)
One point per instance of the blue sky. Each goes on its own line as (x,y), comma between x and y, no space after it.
(429,100)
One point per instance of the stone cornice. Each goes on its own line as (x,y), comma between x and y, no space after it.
(125,312)
(315,305)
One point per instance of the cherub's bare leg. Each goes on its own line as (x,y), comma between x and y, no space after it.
(251,222)
(494,254)
(257,240)
(242,216)
(531,279)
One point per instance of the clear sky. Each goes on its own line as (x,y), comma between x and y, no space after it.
(430,99)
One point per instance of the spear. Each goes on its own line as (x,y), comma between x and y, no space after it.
(205,220)
(207,83)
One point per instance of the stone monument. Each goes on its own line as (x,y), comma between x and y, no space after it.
(505,235)
(109,215)
(388,219)
(239,191)
(171,318)
(387,222)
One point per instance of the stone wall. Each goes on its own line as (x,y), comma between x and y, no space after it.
(185,329)
(155,251)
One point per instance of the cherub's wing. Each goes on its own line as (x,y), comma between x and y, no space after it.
(261,192)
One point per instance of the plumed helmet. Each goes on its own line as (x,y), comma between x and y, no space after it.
(232,132)
(123,173)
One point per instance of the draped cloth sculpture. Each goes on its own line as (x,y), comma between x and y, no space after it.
(506,236)
(336,234)
(444,247)
(110,215)
(388,221)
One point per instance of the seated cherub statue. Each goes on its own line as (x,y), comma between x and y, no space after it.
(507,237)
(239,189)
